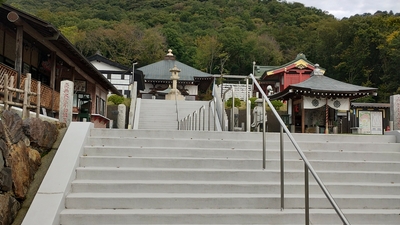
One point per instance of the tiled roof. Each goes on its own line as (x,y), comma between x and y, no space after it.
(161,71)
(320,85)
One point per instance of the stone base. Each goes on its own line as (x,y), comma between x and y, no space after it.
(171,96)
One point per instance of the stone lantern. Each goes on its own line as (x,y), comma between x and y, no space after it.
(174,93)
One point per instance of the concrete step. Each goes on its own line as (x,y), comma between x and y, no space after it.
(186,177)
(242,136)
(240,144)
(234,163)
(189,186)
(223,201)
(223,216)
(129,173)
(239,153)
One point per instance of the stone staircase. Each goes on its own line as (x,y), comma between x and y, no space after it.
(162,114)
(196,177)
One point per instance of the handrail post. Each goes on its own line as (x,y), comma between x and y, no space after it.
(248,117)
(209,115)
(307,195)
(195,120)
(203,108)
(263,133)
(232,109)
(215,113)
(247,106)
(282,162)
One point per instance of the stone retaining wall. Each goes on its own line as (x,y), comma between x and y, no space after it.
(22,143)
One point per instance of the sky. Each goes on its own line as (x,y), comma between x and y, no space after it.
(347,8)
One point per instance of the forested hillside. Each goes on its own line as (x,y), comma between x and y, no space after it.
(226,36)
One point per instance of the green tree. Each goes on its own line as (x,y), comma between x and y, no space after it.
(207,52)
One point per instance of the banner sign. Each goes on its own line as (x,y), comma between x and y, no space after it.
(337,103)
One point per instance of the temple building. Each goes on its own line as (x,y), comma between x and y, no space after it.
(158,80)
(317,101)
(31,45)
(280,77)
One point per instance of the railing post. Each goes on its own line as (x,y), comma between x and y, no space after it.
(248,117)
(38,96)
(215,113)
(25,111)
(11,85)
(248,106)
(282,162)
(307,195)
(232,109)
(209,115)
(263,133)
(203,108)
(194,120)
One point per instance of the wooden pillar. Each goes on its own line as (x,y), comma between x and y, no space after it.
(326,116)
(18,53)
(19,40)
(53,62)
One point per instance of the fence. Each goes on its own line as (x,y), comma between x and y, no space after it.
(49,98)
(9,91)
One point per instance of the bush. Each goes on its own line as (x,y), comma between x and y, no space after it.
(238,103)
(277,104)
(116,99)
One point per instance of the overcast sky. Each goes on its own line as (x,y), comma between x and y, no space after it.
(347,8)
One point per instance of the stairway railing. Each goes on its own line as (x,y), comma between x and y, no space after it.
(197,119)
(307,165)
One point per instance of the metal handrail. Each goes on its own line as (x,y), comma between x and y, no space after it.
(177,109)
(307,165)
(197,118)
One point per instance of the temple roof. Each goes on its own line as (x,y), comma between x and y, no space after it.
(161,70)
(320,85)
(299,62)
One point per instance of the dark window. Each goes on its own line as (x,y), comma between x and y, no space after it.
(109,76)
(122,76)
(128,93)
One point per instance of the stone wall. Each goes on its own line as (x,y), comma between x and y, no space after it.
(22,143)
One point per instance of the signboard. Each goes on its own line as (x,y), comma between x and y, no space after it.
(395,111)
(66,97)
(370,122)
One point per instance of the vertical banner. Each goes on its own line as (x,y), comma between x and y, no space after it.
(395,111)
(66,97)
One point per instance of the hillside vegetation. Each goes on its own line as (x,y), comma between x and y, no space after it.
(226,36)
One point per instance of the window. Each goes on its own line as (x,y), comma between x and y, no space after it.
(109,76)
(122,76)
(127,93)
(100,106)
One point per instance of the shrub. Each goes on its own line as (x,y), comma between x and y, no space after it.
(116,99)
(238,103)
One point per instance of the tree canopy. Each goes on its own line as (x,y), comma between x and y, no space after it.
(226,36)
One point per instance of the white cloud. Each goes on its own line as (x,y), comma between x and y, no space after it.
(347,8)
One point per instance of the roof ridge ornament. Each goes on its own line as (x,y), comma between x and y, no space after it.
(170,52)
(317,71)
(169,55)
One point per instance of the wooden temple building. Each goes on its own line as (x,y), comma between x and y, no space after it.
(280,77)
(31,45)
(316,101)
